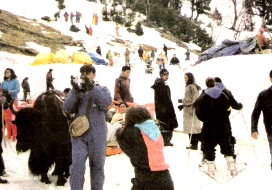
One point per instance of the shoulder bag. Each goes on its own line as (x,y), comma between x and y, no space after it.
(81,124)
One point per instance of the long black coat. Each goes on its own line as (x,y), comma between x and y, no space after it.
(164,108)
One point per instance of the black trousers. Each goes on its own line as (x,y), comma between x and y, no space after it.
(49,85)
(2,165)
(147,180)
(209,142)
(195,139)
(167,136)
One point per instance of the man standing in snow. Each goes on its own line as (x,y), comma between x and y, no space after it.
(122,86)
(263,104)
(98,50)
(78,16)
(187,53)
(49,80)
(127,57)
(92,144)
(140,52)
(71,17)
(66,15)
(165,50)
(56,16)
(212,108)
(165,112)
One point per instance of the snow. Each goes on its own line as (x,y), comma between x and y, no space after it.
(244,75)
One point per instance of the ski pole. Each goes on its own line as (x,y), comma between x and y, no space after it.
(191,132)
(249,136)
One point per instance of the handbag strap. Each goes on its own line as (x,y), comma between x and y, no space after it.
(88,107)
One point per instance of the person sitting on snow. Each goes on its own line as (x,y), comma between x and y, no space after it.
(262,39)
(116,122)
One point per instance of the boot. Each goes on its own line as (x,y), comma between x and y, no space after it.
(231,165)
(209,167)
(194,142)
(3,181)
(167,136)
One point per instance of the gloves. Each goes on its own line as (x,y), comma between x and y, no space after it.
(87,85)
(180,107)
(240,106)
(74,84)
(179,100)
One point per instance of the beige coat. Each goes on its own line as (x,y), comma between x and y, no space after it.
(189,118)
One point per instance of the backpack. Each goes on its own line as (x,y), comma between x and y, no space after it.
(107,56)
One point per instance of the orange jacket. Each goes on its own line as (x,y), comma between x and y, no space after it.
(262,40)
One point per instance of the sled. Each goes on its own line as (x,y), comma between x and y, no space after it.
(113,151)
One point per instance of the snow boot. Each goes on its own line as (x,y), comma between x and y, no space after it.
(167,136)
(209,167)
(231,165)
(3,181)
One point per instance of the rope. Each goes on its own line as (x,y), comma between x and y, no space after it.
(249,136)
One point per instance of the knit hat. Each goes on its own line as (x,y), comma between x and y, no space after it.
(164,72)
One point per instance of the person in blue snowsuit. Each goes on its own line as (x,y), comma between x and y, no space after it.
(92,143)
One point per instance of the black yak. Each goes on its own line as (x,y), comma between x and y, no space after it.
(44,129)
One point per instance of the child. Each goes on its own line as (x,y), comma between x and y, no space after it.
(142,142)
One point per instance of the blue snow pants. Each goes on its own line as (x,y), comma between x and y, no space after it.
(93,145)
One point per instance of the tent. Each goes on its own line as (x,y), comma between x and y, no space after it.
(227,48)
(97,59)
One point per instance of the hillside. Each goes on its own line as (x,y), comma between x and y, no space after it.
(17,31)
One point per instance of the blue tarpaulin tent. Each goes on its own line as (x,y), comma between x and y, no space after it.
(227,48)
(97,59)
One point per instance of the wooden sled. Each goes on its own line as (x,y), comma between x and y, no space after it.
(113,151)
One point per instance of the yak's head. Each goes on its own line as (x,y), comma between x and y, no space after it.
(32,123)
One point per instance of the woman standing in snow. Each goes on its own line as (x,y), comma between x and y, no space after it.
(11,88)
(11,84)
(191,124)
(142,142)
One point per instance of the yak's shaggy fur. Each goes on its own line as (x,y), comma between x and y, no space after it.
(44,129)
